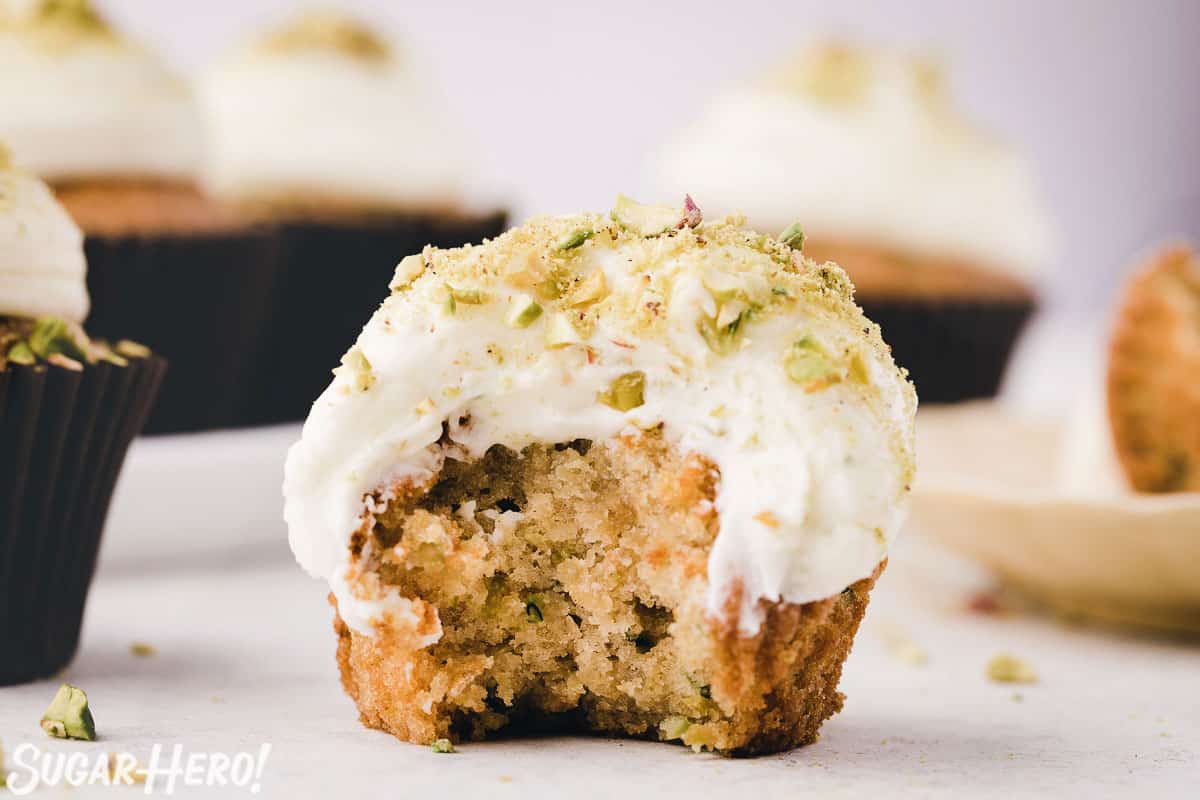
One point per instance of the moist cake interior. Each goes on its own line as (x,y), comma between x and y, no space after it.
(570,582)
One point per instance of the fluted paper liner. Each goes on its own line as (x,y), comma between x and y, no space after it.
(63,439)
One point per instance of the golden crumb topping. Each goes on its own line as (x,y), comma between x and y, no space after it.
(331,33)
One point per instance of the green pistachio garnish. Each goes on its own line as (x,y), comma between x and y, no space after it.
(69,716)
(448,305)
(644,220)
(471,297)
(524,312)
(407,271)
(54,335)
(128,349)
(674,727)
(593,289)
(143,650)
(807,364)
(793,236)
(101,353)
(574,239)
(442,746)
(560,332)
(21,354)
(533,610)
(721,333)
(626,392)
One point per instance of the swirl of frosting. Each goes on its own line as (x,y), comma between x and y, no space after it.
(82,103)
(326,109)
(863,145)
(42,267)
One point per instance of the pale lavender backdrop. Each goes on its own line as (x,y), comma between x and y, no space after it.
(566,97)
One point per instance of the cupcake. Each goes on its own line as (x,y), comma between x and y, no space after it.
(633,474)
(326,130)
(1095,516)
(1140,432)
(69,408)
(119,140)
(937,224)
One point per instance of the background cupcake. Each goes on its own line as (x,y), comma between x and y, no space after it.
(119,139)
(938,225)
(325,129)
(69,408)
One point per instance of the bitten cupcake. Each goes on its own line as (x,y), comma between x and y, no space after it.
(69,408)
(938,224)
(326,129)
(633,473)
(119,139)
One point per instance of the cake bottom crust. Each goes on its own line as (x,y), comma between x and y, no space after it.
(587,614)
(788,675)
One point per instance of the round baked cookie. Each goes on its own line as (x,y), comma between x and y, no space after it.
(1153,384)
(633,474)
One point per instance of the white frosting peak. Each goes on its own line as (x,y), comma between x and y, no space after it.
(866,146)
(80,103)
(42,267)
(745,354)
(325,108)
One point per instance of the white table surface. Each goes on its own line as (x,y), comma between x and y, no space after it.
(245,656)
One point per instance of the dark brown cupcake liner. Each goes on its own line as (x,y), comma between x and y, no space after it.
(334,276)
(63,436)
(954,350)
(202,301)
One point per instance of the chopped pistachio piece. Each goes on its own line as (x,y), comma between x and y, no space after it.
(560,332)
(524,312)
(721,334)
(793,236)
(407,271)
(130,349)
(533,610)
(69,716)
(20,353)
(593,289)
(55,335)
(1005,668)
(574,239)
(626,392)
(674,727)
(644,220)
(63,362)
(692,215)
(360,368)
(442,746)
(470,297)
(449,306)
(143,649)
(807,364)
(107,355)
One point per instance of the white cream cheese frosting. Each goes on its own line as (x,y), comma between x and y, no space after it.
(862,145)
(327,107)
(80,102)
(42,267)
(589,327)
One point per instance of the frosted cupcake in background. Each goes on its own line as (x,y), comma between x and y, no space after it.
(119,139)
(939,225)
(325,128)
(69,408)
